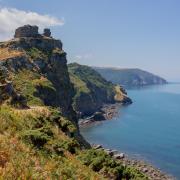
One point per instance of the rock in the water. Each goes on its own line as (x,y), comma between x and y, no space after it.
(119,156)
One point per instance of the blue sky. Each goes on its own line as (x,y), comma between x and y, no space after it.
(119,33)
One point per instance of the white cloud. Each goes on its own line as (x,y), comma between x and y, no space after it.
(11,18)
(78,57)
(83,56)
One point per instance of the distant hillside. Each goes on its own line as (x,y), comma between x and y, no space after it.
(92,90)
(130,77)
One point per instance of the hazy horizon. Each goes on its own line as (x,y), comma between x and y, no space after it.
(126,34)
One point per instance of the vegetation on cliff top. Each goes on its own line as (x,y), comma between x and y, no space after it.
(90,77)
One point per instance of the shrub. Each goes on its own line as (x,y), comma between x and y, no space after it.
(38,137)
(101,162)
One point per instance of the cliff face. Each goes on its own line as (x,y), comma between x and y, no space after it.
(130,77)
(92,90)
(34,73)
(42,61)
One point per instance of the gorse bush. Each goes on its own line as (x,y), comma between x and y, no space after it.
(36,53)
(34,147)
(101,162)
(36,135)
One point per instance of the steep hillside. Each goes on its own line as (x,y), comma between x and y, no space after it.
(39,135)
(130,77)
(92,90)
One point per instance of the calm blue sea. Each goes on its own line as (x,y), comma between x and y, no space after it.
(148,129)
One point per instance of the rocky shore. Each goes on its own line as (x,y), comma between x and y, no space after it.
(151,172)
(107,112)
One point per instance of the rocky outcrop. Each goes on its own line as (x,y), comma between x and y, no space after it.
(26,31)
(31,31)
(93,91)
(7,91)
(47,32)
(121,95)
(42,61)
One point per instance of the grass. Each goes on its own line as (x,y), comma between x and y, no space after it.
(101,162)
(36,143)
(91,86)
(26,83)
(35,53)
(88,75)
(18,161)
(6,53)
(79,84)
(119,96)
(20,157)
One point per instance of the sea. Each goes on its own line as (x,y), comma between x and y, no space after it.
(148,129)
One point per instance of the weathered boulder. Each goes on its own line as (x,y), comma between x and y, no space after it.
(7,90)
(145,170)
(98,116)
(47,32)
(109,152)
(26,31)
(98,146)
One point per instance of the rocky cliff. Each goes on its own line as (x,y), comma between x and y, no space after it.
(39,60)
(39,135)
(34,73)
(130,77)
(93,91)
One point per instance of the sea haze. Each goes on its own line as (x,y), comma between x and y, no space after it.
(147,129)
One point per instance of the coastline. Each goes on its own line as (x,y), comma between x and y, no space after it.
(108,112)
(152,172)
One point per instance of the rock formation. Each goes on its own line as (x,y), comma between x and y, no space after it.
(32,57)
(47,32)
(93,91)
(7,90)
(26,31)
